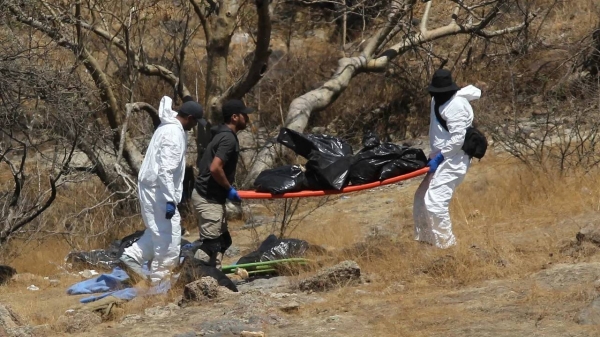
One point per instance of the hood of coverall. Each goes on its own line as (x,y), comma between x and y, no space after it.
(470,93)
(166,114)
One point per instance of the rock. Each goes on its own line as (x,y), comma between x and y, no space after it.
(78,321)
(225,327)
(590,315)
(27,331)
(204,288)
(131,319)
(333,318)
(563,276)
(187,334)
(26,278)
(234,211)
(232,251)
(9,319)
(318,130)
(590,233)
(266,285)
(161,312)
(290,307)
(347,272)
(6,273)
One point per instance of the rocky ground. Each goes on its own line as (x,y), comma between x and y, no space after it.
(559,297)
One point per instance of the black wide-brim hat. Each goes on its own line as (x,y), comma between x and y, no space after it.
(442,82)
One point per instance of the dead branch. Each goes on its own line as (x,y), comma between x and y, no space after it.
(261,54)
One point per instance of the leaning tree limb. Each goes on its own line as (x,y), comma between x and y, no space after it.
(320,98)
(131,153)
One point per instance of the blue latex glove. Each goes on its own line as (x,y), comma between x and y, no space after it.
(233,195)
(170,210)
(435,162)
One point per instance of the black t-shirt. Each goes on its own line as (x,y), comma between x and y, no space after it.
(225,145)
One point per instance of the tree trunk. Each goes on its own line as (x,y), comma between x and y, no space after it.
(219,30)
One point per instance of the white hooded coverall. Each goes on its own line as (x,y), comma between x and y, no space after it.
(160,180)
(432,198)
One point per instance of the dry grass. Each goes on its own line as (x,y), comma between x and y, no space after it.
(509,221)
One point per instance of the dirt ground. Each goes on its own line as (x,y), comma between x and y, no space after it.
(516,271)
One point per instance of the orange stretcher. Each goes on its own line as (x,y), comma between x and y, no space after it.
(320,193)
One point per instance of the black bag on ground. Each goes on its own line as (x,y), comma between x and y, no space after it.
(6,273)
(303,144)
(193,269)
(385,161)
(288,178)
(276,249)
(325,171)
(129,240)
(97,258)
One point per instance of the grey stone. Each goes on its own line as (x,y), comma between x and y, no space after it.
(290,307)
(232,251)
(590,233)
(233,211)
(591,314)
(273,284)
(187,334)
(563,276)
(131,319)
(161,312)
(318,130)
(225,327)
(344,273)
(79,321)
(8,318)
(204,288)
(28,331)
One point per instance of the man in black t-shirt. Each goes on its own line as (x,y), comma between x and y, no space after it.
(214,182)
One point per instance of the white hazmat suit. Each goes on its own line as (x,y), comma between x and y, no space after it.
(160,180)
(432,198)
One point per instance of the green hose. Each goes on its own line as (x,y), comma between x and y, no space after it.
(256,266)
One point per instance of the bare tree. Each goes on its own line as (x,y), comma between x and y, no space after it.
(111,40)
(477,19)
(43,117)
(113,43)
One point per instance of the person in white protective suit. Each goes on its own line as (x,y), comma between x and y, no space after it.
(160,187)
(448,163)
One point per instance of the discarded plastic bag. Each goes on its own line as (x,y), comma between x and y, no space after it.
(412,159)
(325,171)
(303,144)
(273,248)
(368,166)
(288,178)
(97,258)
(193,269)
(129,240)
(285,249)
(370,141)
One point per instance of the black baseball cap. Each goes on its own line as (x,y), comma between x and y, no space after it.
(194,109)
(235,106)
